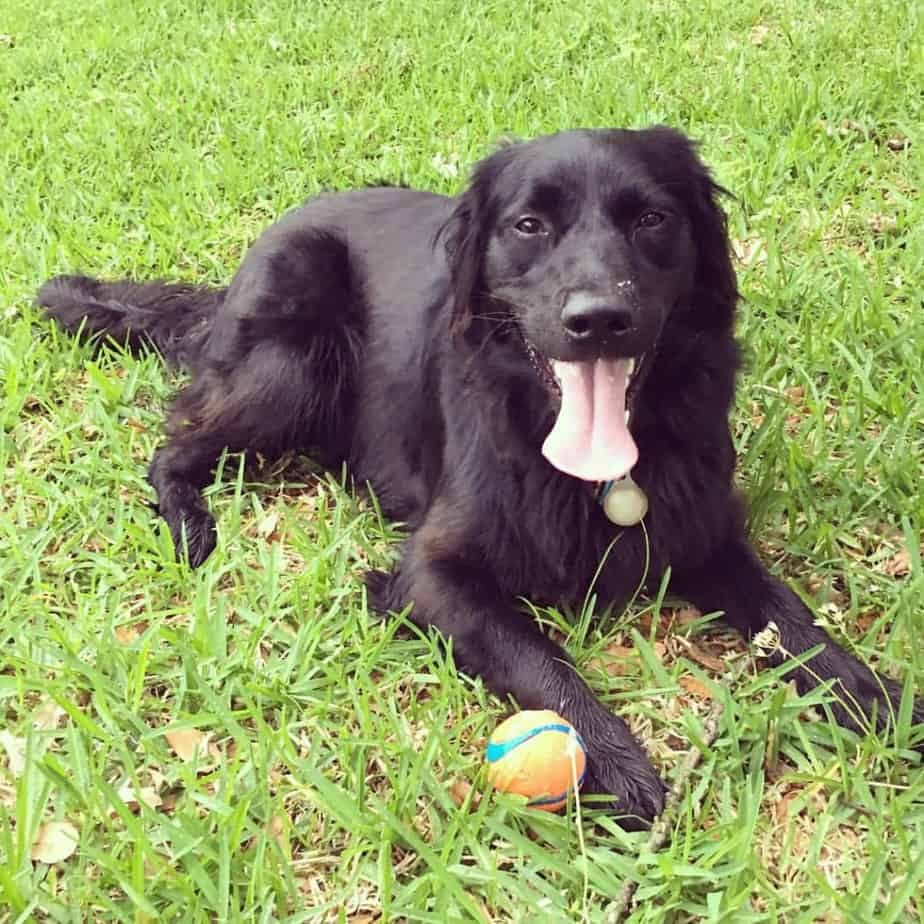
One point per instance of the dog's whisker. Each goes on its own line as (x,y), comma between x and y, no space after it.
(500,298)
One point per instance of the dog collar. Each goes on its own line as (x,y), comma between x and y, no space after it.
(623,501)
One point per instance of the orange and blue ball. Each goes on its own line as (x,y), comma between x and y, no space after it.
(537,754)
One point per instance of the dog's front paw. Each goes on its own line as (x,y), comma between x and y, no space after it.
(618,767)
(860,699)
(378,585)
(194,534)
(637,791)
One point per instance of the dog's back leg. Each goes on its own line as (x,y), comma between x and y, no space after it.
(280,372)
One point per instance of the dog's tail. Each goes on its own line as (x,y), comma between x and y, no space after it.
(173,318)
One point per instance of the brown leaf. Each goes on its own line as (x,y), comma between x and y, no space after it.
(617,661)
(134,797)
(188,743)
(696,687)
(129,633)
(776,768)
(685,615)
(47,716)
(899,564)
(781,809)
(864,621)
(277,830)
(459,792)
(262,653)
(710,662)
(56,841)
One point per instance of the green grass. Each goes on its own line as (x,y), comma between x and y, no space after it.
(157,139)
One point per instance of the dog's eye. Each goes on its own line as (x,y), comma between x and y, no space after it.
(530,226)
(650,219)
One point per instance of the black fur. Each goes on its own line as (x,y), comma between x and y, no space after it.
(399,331)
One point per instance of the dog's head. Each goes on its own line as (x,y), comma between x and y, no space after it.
(585,243)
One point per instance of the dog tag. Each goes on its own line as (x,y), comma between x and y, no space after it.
(624,502)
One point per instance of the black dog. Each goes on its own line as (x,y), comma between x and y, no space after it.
(486,363)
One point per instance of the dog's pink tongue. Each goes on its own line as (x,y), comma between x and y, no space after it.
(590,438)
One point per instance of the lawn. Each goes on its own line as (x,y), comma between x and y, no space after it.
(245,742)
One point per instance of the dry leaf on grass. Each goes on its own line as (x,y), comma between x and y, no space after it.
(865,621)
(697,688)
(750,251)
(191,744)
(459,792)
(899,564)
(130,632)
(684,615)
(262,653)
(47,716)
(15,752)
(56,841)
(703,658)
(781,809)
(277,830)
(619,660)
(616,660)
(266,528)
(134,796)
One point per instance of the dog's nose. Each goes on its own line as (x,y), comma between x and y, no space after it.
(596,319)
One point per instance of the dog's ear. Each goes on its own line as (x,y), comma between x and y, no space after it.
(680,166)
(465,236)
(715,275)
(463,239)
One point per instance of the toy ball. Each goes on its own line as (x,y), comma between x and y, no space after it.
(537,754)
